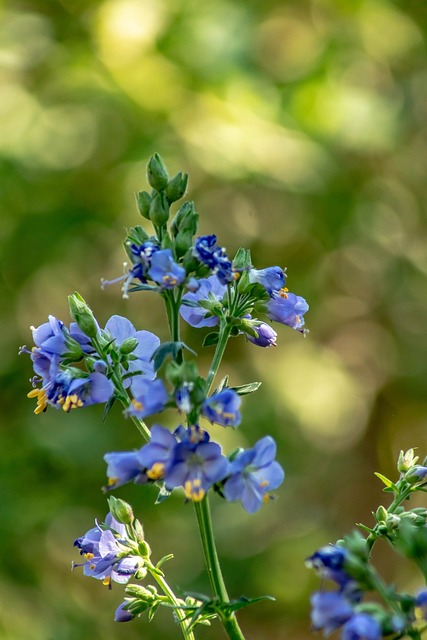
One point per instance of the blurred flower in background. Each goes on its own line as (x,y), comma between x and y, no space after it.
(302,126)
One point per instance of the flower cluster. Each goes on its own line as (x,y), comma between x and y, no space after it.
(348,566)
(87,363)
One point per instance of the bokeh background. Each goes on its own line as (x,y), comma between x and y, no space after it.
(302,124)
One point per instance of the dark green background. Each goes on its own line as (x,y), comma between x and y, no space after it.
(302,125)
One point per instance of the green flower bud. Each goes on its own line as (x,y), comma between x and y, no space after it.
(159,210)
(186,209)
(128,345)
(143,593)
(157,173)
(242,260)
(143,201)
(139,531)
(381,514)
(176,187)
(144,549)
(121,510)
(82,315)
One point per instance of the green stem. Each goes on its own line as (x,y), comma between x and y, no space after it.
(216,579)
(224,334)
(180,614)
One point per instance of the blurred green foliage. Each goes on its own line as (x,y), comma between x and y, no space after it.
(302,124)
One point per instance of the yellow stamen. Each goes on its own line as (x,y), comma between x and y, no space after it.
(112,481)
(41,396)
(71,402)
(193,490)
(157,471)
(283,292)
(138,405)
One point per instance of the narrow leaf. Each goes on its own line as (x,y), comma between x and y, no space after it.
(244,389)
(211,339)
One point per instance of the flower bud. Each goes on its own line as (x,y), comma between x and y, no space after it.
(121,510)
(416,475)
(128,345)
(139,531)
(144,549)
(381,514)
(176,187)
(406,460)
(157,173)
(82,315)
(159,210)
(143,201)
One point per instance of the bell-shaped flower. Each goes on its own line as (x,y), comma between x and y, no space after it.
(165,271)
(271,278)
(210,292)
(329,611)
(362,626)
(149,396)
(287,308)
(223,408)
(330,562)
(157,456)
(265,336)
(124,466)
(253,473)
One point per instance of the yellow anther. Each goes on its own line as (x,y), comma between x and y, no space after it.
(157,471)
(263,483)
(106,581)
(283,292)
(71,402)
(138,405)
(40,394)
(89,556)
(34,393)
(112,481)
(193,490)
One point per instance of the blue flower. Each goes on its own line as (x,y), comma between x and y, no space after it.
(421,603)
(149,396)
(140,362)
(210,291)
(107,554)
(271,278)
(141,256)
(206,251)
(124,466)
(362,626)
(157,456)
(82,392)
(329,611)
(165,271)
(287,308)
(223,408)
(330,561)
(61,389)
(253,473)
(196,466)
(183,398)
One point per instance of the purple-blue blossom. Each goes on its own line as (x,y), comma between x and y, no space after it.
(329,562)
(165,271)
(157,456)
(196,467)
(287,308)
(121,614)
(223,408)
(362,626)
(266,335)
(253,474)
(107,554)
(329,610)
(124,466)
(140,361)
(210,254)
(149,397)
(141,256)
(211,293)
(271,278)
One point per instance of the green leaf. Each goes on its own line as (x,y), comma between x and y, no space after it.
(388,483)
(163,351)
(108,407)
(235,605)
(242,260)
(211,339)
(244,389)
(222,384)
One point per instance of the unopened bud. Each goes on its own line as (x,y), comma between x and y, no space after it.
(121,510)
(406,460)
(128,345)
(82,315)
(159,210)
(176,187)
(143,201)
(157,173)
